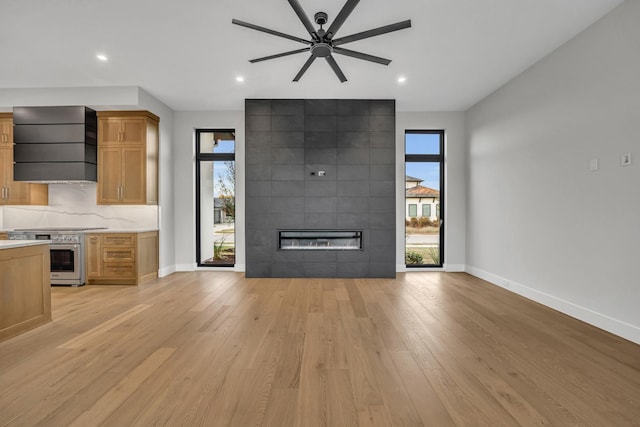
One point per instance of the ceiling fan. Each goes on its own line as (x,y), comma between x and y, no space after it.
(322,43)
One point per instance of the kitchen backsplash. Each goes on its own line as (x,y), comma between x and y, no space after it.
(74,205)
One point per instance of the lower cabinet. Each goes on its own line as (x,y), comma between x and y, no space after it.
(121,258)
(25,289)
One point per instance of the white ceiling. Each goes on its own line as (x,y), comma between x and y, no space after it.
(188,54)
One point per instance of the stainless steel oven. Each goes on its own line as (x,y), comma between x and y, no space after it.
(67,267)
(66,249)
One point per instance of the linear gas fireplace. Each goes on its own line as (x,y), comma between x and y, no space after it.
(320,240)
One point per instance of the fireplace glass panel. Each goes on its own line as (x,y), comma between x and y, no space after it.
(320,240)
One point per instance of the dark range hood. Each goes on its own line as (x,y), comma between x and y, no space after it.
(55,144)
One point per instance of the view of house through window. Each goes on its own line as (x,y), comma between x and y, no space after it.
(215,197)
(424,195)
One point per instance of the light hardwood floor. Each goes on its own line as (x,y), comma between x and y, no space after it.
(216,349)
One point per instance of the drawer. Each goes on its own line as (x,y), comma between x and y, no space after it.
(126,270)
(118,240)
(118,254)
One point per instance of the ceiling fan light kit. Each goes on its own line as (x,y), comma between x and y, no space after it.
(323,44)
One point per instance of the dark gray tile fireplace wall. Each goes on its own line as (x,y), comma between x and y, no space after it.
(287,143)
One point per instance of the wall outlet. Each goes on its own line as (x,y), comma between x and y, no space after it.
(593,165)
(625,159)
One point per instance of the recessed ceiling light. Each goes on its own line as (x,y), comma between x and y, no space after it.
(102,57)
(402,79)
(239,79)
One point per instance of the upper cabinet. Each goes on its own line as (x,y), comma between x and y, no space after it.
(15,192)
(127,158)
(6,130)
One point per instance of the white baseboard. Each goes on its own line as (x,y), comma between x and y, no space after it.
(609,324)
(186,267)
(165,271)
(455,268)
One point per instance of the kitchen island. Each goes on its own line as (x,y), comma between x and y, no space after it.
(25,286)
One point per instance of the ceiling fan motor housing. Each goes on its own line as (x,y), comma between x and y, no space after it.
(321,50)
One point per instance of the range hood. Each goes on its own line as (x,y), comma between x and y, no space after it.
(55,144)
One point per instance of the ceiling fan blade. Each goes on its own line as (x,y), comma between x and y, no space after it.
(360,55)
(304,68)
(278,55)
(374,32)
(336,69)
(268,31)
(304,18)
(342,16)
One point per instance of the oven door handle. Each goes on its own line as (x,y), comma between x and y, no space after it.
(63,246)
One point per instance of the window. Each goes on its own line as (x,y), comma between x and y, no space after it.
(424,185)
(215,197)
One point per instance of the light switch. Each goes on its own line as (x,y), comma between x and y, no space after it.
(593,165)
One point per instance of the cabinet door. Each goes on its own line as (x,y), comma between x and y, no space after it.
(6,169)
(134,175)
(93,254)
(109,131)
(109,175)
(133,131)
(6,132)
(13,193)
(19,193)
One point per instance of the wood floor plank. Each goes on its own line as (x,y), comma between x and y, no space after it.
(218,349)
(83,339)
(110,401)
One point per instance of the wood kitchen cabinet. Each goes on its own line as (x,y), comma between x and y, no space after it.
(6,130)
(121,258)
(15,192)
(25,288)
(127,158)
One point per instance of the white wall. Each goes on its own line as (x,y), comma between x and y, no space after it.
(185,124)
(453,124)
(166,191)
(538,221)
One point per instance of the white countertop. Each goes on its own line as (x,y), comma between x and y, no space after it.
(8,244)
(100,230)
(121,230)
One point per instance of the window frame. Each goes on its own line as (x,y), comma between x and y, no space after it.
(208,157)
(440,207)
